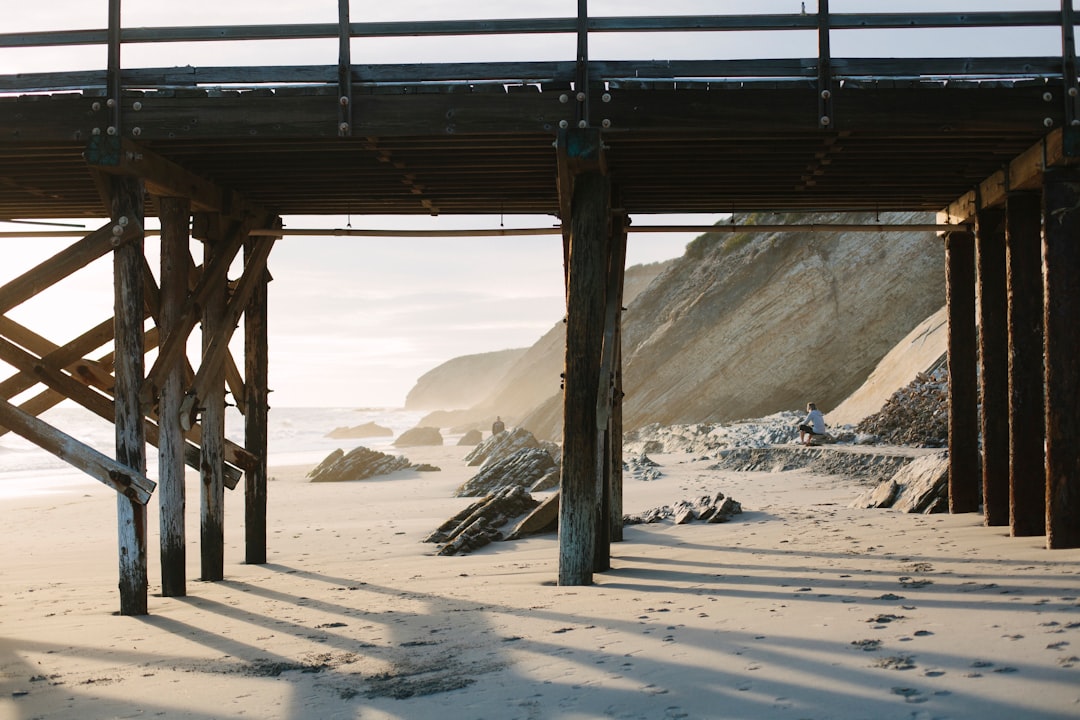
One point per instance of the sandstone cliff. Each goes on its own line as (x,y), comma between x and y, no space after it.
(745,325)
(461,382)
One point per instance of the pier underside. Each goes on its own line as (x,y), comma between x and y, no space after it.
(222,155)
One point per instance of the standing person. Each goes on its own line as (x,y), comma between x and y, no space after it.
(814,424)
(498,426)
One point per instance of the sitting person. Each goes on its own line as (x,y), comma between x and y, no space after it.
(813,425)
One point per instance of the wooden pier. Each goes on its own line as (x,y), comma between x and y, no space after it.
(221,154)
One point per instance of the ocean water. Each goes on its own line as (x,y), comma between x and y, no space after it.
(296,436)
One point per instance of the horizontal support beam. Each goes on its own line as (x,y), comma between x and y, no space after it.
(527,26)
(557,230)
(1022,173)
(366,76)
(119,477)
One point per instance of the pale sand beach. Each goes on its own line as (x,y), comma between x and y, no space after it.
(799,608)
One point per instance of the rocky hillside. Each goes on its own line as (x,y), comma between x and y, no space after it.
(461,382)
(745,325)
(533,377)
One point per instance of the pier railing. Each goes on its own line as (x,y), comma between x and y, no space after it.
(582,75)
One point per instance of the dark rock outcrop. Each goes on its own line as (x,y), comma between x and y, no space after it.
(360,431)
(501,446)
(359,464)
(920,487)
(716,509)
(851,462)
(480,523)
(471,437)
(915,415)
(419,437)
(642,467)
(528,468)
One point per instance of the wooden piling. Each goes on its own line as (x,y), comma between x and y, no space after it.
(578,507)
(615,459)
(1061,277)
(174,214)
(993,364)
(1027,417)
(127,204)
(212,515)
(964,477)
(256,415)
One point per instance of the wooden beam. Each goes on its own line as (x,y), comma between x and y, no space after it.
(162,177)
(993,364)
(1027,416)
(212,402)
(62,386)
(1023,173)
(1061,280)
(234,381)
(120,478)
(75,257)
(174,347)
(615,426)
(578,507)
(256,399)
(175,261)
(964,473)
(129,315)
(216,344)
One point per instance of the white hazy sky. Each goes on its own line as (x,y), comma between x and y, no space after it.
(354,321)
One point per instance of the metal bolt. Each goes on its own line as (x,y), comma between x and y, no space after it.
(1073,92)
(136,106)
(582,124)
(564,98)
(1048,96)
(136,131)
(117,231)
(563,124)
(95,106)
(344,100)
(1074,123)
(122,220)
(343,127)
(110,102)
(826,94)
(581,97)
(95,131)
(826,120)
(111,130)
(605,123)
(1048,122)
(606,97)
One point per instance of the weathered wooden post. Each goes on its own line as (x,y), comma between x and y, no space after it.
(617,275)
(256,406)
(963,388)
(1061,277)
(127,209)
(993,364)
(211,472)
(174,214)
(1027,417)
(578,507)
